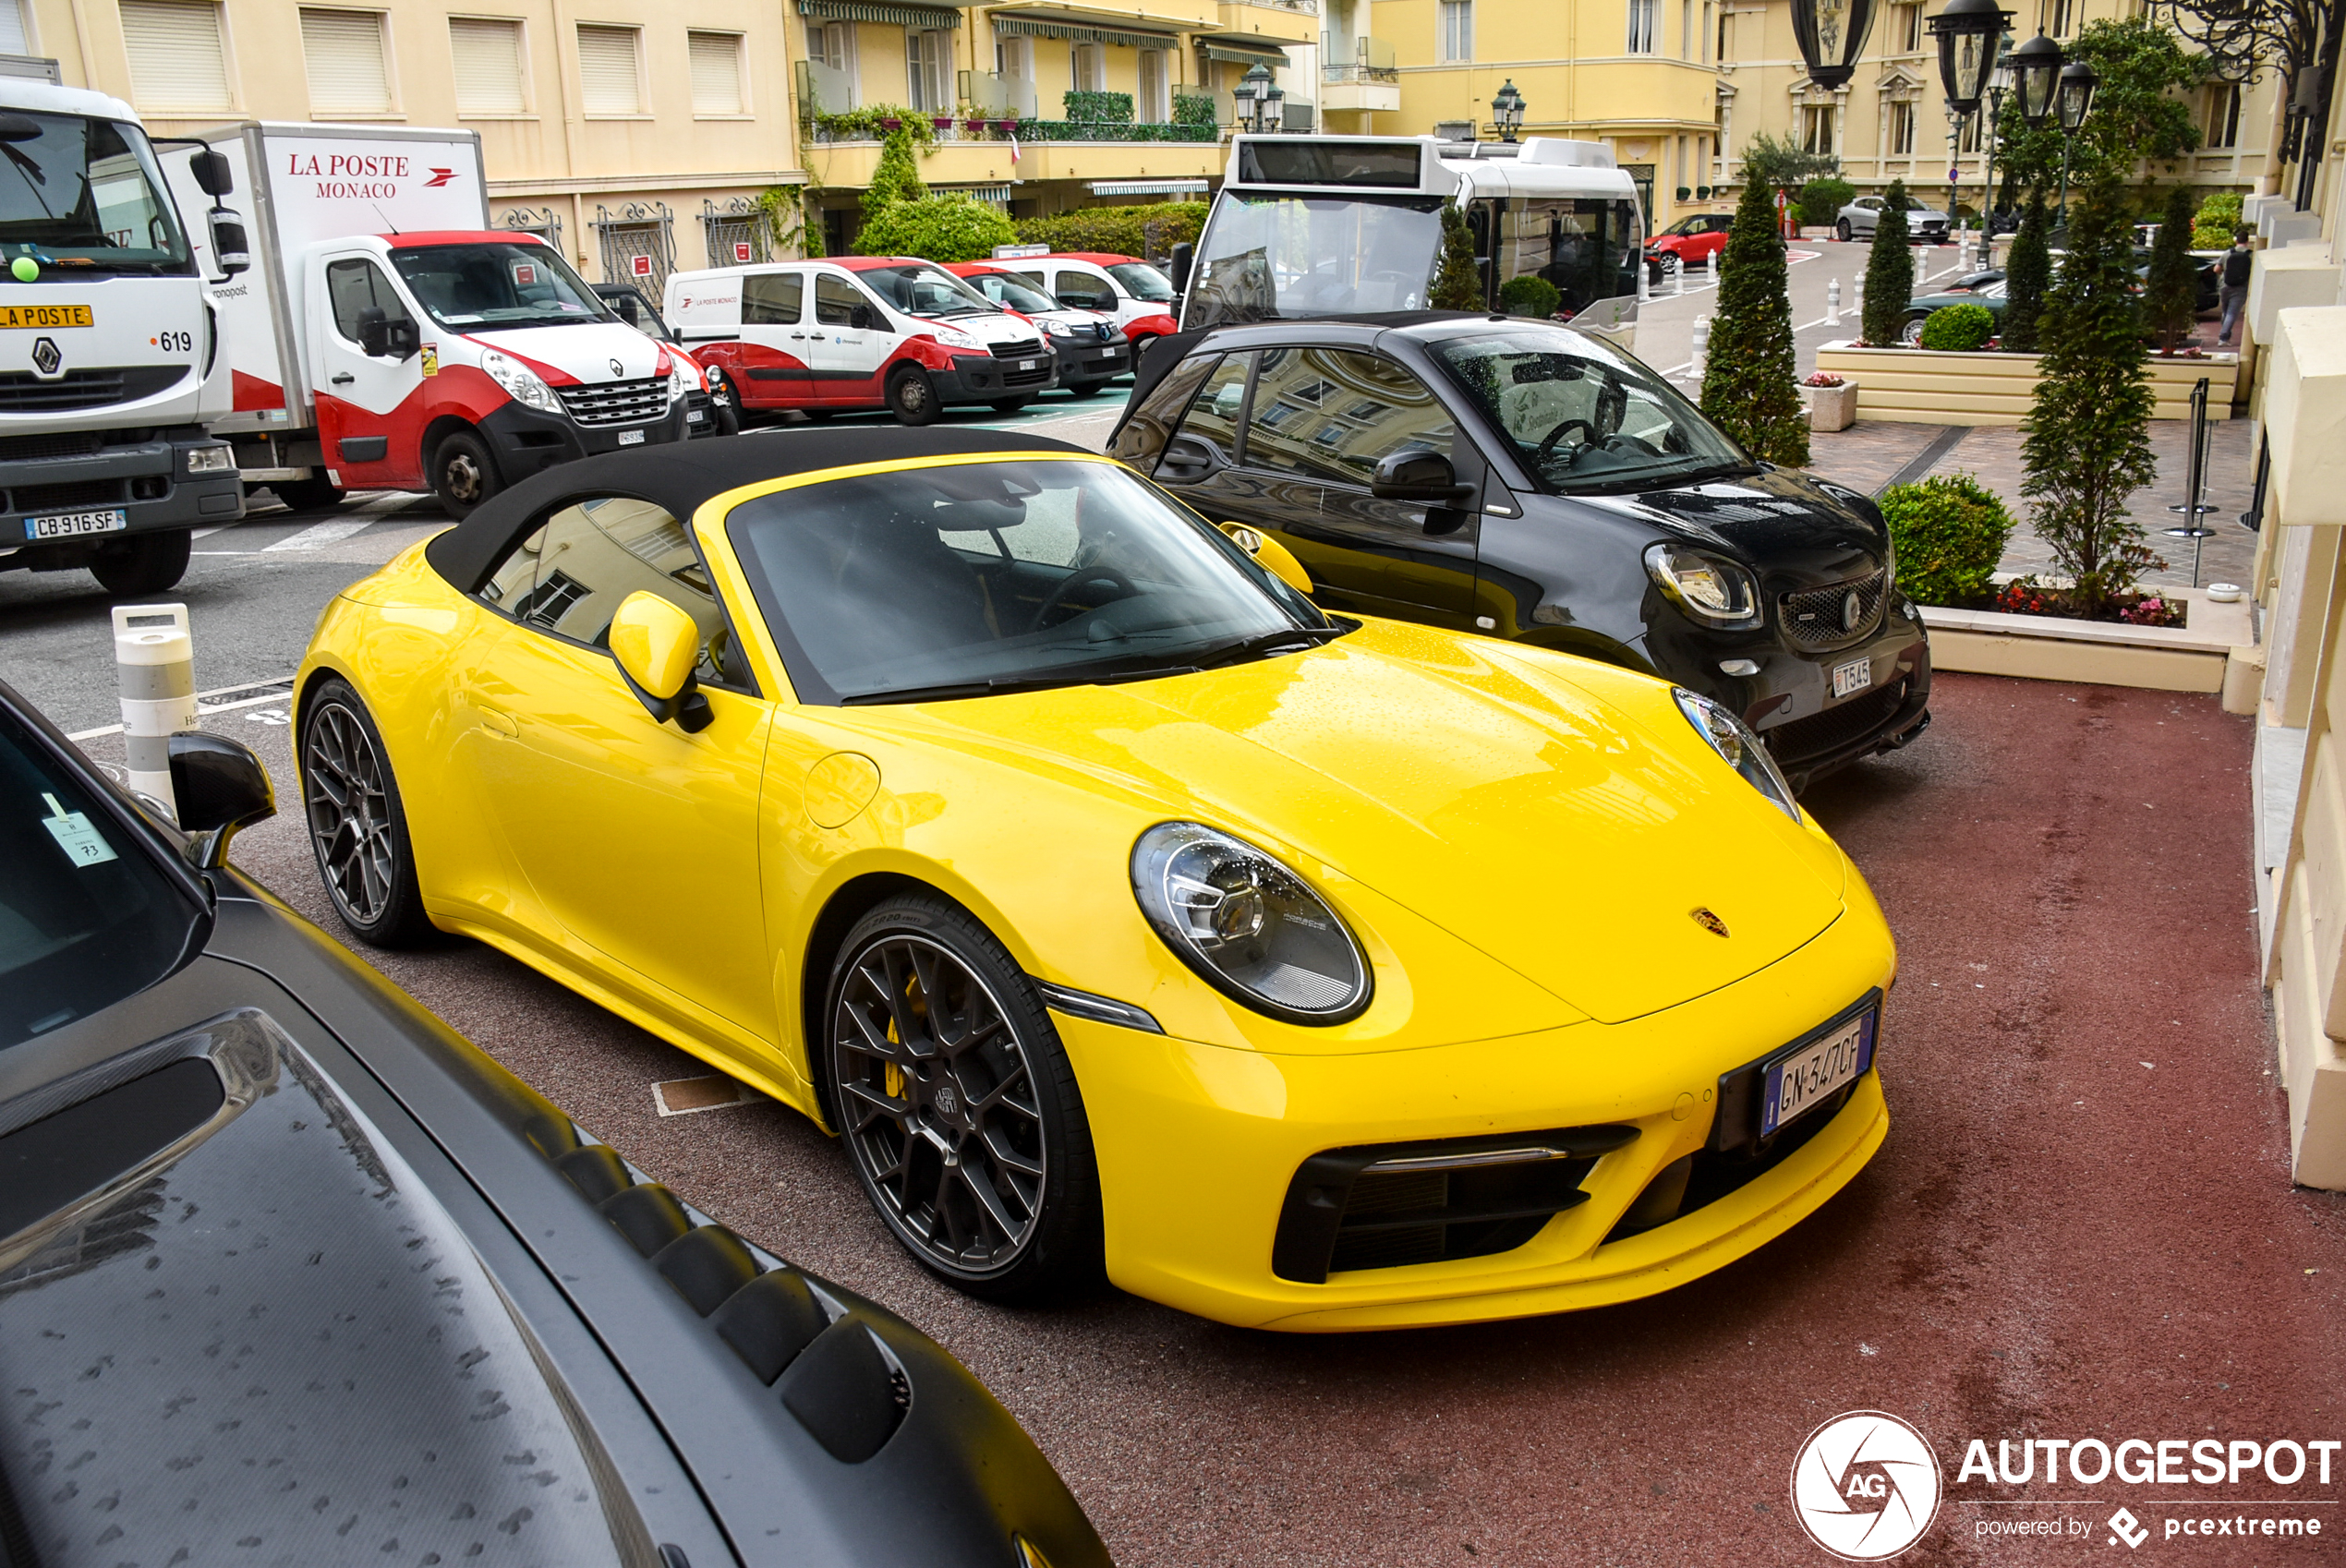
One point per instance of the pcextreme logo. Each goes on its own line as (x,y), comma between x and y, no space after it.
(1866,1485)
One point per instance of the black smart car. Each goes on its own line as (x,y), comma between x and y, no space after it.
(1523,479)
(289,1273)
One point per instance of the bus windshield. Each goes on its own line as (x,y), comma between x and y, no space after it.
(80,193)
(1271,254)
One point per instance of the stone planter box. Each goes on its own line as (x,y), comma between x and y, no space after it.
(2191,657)
(1832,408)
(1917,387)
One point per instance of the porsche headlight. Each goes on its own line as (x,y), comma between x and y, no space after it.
(520,382)
(1742,750)
(1708,587)
(1248,926)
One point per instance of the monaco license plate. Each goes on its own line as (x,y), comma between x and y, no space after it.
(68,524)
(631,437)
(1808,1075)
(1854,676)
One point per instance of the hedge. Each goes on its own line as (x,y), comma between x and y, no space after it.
(1958,329)
(937,228)
(1147,231)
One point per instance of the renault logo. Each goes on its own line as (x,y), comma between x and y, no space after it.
(619,369)
(1852,611)
(1708,920)
(45,357)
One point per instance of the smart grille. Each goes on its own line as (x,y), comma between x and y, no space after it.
(1018,350)
(617,402)
(22,392)
(1820,617)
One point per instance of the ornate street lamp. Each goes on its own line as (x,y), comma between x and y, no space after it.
(1967,30)
(1831,34)
(2076,95)
(1507,110)
(2000,82)
(2036,71)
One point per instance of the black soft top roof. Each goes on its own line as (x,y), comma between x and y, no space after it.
(679,477)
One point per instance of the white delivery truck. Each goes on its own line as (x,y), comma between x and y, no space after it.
(387,338)
(110,361)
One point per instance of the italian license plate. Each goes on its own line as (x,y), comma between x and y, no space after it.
(1807,1075)
(70,525)
(44,316)
(1028,364)
(1854,676)
(631,437)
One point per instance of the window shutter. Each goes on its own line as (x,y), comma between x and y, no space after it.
(178,60)
(345,53)
(717,72)
(608,79)
(12,35)
(488,56)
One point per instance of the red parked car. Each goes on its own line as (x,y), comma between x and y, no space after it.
(1689,242)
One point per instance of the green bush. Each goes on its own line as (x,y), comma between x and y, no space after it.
(1110,108)
(1193,109)
(1822,200)
(2212,228)
(874,122)
(1145,231)
(937,228)
(1529,296)
(1949,531)
(896,177)
(1958,329)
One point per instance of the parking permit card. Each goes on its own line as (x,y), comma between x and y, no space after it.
(84,844)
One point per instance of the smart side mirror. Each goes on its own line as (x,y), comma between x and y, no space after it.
(220,787)
(231,252)
(1178,272)
(374,331)
(212,174)
(655,645)
(1417,476)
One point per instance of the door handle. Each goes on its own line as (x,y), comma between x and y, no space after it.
(504,723)
(345,378)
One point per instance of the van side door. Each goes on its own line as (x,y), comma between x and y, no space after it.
(776,349)
(370,405)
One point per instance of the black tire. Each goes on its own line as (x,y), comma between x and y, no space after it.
(1083,388)
(725,418)
(1841,227)
(1015,1216)
(357,822)
(1010,404)
(316,493)
(142,563)
(910,397)
(462,473)
(816,415)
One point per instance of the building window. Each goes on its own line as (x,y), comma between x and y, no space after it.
(1726,49)
(1709,30)
(178,55)
(1641,25)
(487,51)
(2065,17)
(928,58)
(1087,67)
(347,60)
(1156,107)
(1817,129)
(610,76)
(717,72)
(1902,130)
(1014,58)
(1457,23)
(1910,30)
(2223,114)
(16,30)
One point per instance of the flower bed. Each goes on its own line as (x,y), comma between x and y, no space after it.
(2026,595)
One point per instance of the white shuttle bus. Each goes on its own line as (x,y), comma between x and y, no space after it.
(1328,225)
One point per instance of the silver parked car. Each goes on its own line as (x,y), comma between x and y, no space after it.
(1857,219)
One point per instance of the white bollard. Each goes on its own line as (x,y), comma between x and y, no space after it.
(1701,344)
(156,660)
(1645,290)
(1833,302)
(1678,278)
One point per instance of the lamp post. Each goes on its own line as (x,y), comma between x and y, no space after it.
(1831,34)
(1967,31)
(1507,110)
(2000,86)
(1259,101)
(2076,95)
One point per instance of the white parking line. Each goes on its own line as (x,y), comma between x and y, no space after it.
(317,536)
(204,708)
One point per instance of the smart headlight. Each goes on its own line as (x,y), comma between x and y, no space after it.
(1713,590)
(1742,750)
(520,382)
(1248,926)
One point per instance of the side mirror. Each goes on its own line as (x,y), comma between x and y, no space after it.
(230,249)
(655,645)
(1179,272)
(403,338)
(859,319)
(374,331)
(1417,476)
(1273,556)
(628,310)
(221,788)
(212,172)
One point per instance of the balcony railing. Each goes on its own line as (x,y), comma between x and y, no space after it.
(1373,60)
(1338,76)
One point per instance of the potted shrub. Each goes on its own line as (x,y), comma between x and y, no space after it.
(1832,401)
(1529,296)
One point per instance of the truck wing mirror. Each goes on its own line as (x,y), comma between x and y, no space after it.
(1181,266)
(230,249)
(402,338)
(374,331)
(212,175)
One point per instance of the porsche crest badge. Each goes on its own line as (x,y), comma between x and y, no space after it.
(1708,920)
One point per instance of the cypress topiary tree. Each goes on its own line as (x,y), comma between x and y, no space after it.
(1748,386)
(2086,443)
(2027,273)
(2170,294)
(1889,271)
(1457,285)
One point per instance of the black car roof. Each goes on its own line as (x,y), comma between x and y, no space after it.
(679,477)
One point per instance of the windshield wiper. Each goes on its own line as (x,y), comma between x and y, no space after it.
(1292,639)
(1039,681)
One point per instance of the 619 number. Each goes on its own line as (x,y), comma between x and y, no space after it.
(177,342)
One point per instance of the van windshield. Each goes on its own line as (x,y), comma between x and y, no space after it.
(1143,282)
(77,192)
(495,283)
(925,290)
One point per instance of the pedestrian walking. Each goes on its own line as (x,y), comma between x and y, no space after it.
(2234,294)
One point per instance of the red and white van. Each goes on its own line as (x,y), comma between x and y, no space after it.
(1092,349)
(861,332)
(1136,293)
(387,338)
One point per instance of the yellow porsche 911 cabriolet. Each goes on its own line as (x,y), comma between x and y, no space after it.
(1117,909)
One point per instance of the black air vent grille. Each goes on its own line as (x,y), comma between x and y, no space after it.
(1024,348)
(22,392)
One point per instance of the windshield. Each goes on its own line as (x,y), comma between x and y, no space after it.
(498,285)
(926,290)
(1264,256)
(86,919)
(79,192)
(1003,289)
(1143,282)
(1584,416)
(982,576)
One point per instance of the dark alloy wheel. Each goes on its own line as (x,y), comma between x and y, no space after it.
(911,399)
(464,473)
(957,1106)
(1842,227)
(356,823)
(143,563)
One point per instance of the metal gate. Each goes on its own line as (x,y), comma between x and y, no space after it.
(543,221)
(638,245)
(736,233)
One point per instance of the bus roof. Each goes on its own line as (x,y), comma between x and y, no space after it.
(1424,165)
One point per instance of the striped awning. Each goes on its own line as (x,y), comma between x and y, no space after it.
(993,194)
(1242,51)
(879,11)
(1028,27)
(1148,187)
